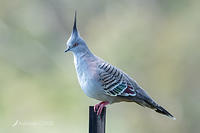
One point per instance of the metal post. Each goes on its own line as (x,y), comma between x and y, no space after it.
(97,123)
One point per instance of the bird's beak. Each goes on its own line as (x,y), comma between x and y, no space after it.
(68,49)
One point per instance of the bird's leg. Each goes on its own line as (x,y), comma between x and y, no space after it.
(99,107)
(96,106)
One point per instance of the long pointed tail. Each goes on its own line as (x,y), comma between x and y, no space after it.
(161,110)
(145,100)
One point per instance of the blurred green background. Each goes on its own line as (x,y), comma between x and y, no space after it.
(157,42)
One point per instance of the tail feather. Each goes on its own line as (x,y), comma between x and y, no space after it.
(153,105)
(161,110)
(145,100)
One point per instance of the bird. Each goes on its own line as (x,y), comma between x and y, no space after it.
(103,81)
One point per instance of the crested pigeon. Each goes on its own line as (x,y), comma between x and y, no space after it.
(103,81)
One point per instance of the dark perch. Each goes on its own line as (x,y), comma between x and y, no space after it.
(97,123)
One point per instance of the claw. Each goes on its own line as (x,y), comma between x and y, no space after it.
(96,107)
(99,107)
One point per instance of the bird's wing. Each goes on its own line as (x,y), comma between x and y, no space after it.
(115,82)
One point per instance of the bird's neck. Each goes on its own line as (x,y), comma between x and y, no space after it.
(83,57)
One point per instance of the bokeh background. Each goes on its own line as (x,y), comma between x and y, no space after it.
(157,42)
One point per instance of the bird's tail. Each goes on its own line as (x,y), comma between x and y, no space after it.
(145,100)
(161,110)
(148,102)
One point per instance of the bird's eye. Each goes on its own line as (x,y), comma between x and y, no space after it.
(75,44)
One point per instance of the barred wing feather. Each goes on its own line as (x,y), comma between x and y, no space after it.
(115,82)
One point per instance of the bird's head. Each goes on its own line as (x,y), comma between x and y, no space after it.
(75,43)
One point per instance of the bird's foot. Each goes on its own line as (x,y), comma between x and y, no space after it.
(99,107)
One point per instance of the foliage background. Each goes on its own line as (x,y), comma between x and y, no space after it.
(154,41)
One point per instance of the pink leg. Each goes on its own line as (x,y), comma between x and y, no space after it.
(99,107)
